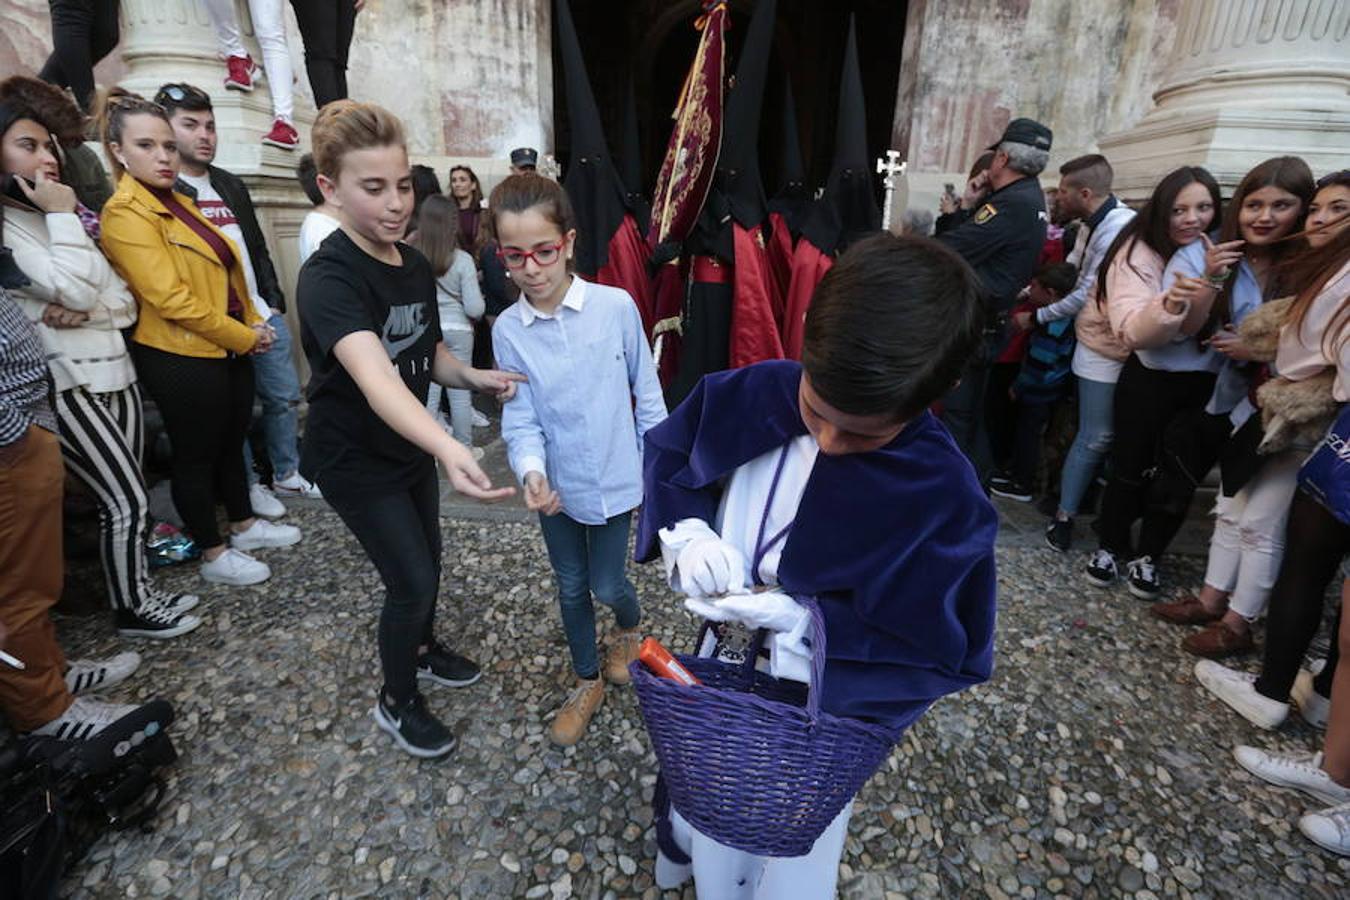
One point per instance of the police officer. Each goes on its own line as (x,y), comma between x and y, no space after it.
(999,230)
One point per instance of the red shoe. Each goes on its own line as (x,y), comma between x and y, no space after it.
(282,135)
(239,73)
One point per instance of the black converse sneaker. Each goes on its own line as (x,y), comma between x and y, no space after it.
(440,666)
(1059,534)
(155,620)
(1010,489)
(1143,578)
(1101,569)
(413,727)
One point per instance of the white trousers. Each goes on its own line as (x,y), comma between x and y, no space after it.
(460,343)
(1248,541)
(269,26)
(722,873)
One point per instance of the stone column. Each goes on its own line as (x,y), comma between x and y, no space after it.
(172,40)
(1248,79)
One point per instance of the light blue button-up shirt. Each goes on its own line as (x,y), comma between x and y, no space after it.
(591,396)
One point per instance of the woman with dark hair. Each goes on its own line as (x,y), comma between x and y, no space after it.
(1186,395)
(80,307)
(1163,373)
(468,197)
(193,338)
(1314,338)
(424,184)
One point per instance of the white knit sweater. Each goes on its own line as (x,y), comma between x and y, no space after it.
(67,268)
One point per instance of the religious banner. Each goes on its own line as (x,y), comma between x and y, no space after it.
(691,155)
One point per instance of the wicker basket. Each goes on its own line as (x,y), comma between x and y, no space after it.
(750,760)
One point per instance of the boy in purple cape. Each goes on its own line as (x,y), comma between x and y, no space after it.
(830,479)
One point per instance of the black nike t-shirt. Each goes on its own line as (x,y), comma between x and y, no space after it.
(344,290)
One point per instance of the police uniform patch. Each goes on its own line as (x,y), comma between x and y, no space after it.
(985,213)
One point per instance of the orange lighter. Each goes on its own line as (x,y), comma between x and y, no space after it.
(659,660)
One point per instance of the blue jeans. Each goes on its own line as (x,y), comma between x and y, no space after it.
(1090,445)
(278,388)
(590,559)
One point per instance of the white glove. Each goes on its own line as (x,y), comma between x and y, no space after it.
(789,655)
(710,566)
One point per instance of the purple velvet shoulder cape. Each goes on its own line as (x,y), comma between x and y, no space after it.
(896,544)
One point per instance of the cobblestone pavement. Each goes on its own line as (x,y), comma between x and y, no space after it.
(1092,764)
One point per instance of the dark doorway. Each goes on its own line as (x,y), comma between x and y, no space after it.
(652,43)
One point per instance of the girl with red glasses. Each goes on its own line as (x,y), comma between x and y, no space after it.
(574,430)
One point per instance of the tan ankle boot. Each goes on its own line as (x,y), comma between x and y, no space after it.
(623,649)
(570,723)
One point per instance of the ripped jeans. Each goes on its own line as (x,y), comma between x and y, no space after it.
(1248,542)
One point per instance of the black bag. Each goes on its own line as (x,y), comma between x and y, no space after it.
(58,797)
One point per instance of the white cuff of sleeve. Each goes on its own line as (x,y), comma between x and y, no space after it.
(530,464)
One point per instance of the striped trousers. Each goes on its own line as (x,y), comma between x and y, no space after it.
(101,438)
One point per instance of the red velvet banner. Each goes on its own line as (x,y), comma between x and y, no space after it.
(754,332)
(668,304)
(809,265)
(691,155)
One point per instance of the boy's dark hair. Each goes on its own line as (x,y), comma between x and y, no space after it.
(1060,277)
(176,97)
(308,174)
(891,326)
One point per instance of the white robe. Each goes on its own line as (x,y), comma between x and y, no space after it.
(721,872)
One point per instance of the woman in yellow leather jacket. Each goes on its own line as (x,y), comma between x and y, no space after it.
(194,333)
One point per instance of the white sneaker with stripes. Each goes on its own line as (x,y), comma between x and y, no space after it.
(84,719)
(88,675)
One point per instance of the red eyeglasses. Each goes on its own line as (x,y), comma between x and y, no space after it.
(543,256)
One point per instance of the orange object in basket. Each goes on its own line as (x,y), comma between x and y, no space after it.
(661,662)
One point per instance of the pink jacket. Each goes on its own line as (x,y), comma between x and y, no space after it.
(1135,301)
(1305,354)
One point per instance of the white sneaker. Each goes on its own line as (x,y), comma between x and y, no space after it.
(1238,691)
(1312,706)
(263,533)
(88,675)
(1300,772)
(480,420)
(1329,828)
(235,567)
(296,487)
(265,503)
(84,719)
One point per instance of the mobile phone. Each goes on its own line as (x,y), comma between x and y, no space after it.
(14,192)
(949,190)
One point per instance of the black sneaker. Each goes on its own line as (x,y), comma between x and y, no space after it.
(1101,569)
(1010,489)
(1059,534)
(155,620)
(1000,480)
(441,666)
(1143,578)
(413,728)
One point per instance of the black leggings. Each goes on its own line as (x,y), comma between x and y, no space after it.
(1314,542)
(326,28)
(1144,481)
(400,530)
(83,32)
(206,405)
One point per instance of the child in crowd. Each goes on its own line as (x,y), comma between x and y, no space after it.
(575,429)
(372,335)
(1043,379)
(322,220)
(830,479)
(460,301)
